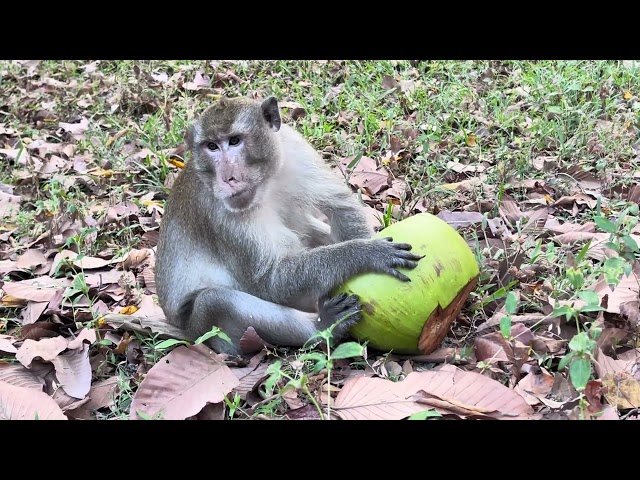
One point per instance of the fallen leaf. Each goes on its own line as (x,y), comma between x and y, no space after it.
(250,376)
(32,312)
(460,219)
(77,130)
(6,344)
(40,289)
(134,258)
(19,376)
(9,206)
(73,371)
(182,383)
(621,390)
(47,349)
(21,403)
(376,398)
(535,386)
(366,175)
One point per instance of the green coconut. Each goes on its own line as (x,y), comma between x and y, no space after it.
(414,317)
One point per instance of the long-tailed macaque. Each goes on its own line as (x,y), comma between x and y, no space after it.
(241,244)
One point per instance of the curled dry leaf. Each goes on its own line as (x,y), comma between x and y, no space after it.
(149,325)
(182,383)
(535,386)
(40,289)
(101,394)
(19,376)
(251,342)
(251,376)
(9,206)
(135,258)
(6,344)
(34,310)
(73,371)
(47,349)
(460,219)
(366,175)
(31,259)
(77,130)
(621,390)
(447,389)
(21,403)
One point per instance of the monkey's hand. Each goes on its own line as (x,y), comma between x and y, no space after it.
(342,308)
(387,256)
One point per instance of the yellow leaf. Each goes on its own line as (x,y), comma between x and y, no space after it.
(147,203)
(103,173)
(627,95)
(131,309)
(621,390)
(176,163)
(471,140)
(548,199)
(11,301)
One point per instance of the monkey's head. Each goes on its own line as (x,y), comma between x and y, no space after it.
(234,144)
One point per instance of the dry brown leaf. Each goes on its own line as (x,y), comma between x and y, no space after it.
(6,344)
(31,259)
(366,175)
(606,365)
(250,376)
(90,263)
(148,307)
(292,400)
(578,199)
(212,411)
(73,371)
(460,219)
(535,386)
(9,206)
(135,258)
(40,289)
(19,376)
(22,403)
(111,276)
(621,390)
(182,383)
(8,266)
(77,130)
(149,325)
(375,398)
(622,299)
(47,349)
(34,310)
(86,337)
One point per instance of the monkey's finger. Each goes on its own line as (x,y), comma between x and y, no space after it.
(408,255)
(398,275)
(402,246)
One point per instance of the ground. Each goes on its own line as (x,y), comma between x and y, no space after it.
(534,164)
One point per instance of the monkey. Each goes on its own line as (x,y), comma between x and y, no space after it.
(241,243)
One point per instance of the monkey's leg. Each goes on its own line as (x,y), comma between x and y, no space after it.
(234,311)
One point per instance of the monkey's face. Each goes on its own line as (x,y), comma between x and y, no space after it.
(233,142)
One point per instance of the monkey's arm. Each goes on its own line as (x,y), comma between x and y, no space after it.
(345,212)
(314,272)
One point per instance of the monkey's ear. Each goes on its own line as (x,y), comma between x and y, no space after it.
(271,113)
(188,137)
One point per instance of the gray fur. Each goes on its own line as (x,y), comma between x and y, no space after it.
(270,263)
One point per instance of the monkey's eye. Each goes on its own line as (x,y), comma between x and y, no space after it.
(212,146)
(234,140)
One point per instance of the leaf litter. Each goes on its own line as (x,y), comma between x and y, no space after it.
(78,281)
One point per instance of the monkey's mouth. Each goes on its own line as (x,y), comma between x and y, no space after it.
(241,200)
